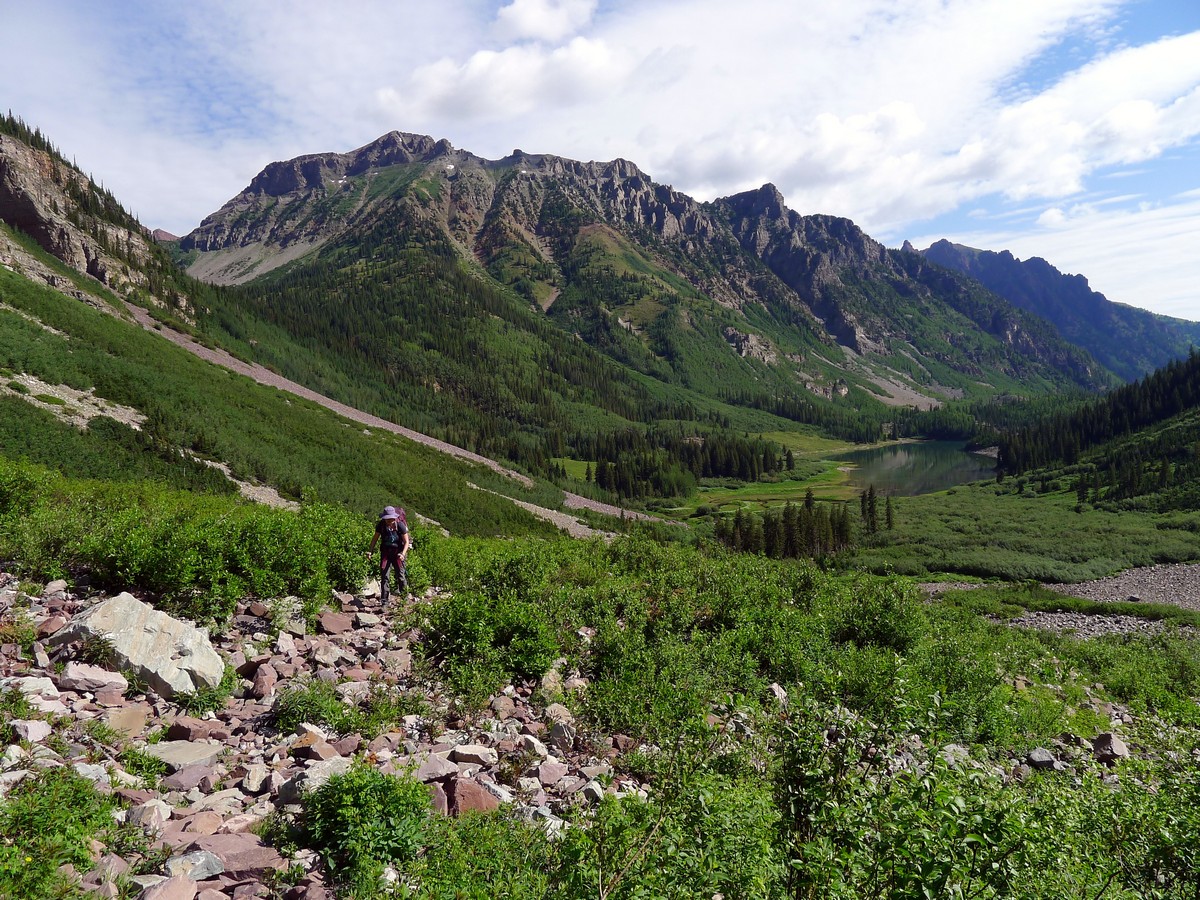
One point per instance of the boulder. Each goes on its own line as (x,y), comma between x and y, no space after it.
(1040,758)
(179,887)
(1108,748)
(32,730)
(475,754)
(197,865)
(182,754)
(243,855)
(171,656)
(467,796)
(312,778)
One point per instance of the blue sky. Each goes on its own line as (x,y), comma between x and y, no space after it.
(1066,129)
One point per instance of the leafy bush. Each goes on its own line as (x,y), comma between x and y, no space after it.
(876,613)
(363,820)
(316,702)
(483,641)
(199,554)
(46,821)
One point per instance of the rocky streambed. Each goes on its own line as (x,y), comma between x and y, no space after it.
(1176,584)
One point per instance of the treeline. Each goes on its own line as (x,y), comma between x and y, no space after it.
(809,530)
(1062,437)
(668,462)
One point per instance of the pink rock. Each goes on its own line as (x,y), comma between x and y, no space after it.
(81,677)
(186,778)
(244,855)
(206,822)
(48,626)
(240,823)
(319,750)
(551,772)
(435,768)
(335,623)
(349,745)
(186,728)
(178,888)
(438,800)
(265,679)
(467,796)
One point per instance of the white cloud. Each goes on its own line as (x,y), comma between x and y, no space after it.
(543,20)
(498,86)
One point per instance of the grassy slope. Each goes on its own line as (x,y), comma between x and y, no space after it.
(262,433)
(986,529)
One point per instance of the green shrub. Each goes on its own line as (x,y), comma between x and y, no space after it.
(140,763)
(482,640)
(314,701)
(877,613)
(13,705)
(363,820)
(46,821)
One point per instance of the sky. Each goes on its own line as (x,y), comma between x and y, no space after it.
(1065,129)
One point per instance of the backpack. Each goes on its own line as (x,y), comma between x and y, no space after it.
(403,517)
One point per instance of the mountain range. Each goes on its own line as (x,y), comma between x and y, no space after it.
(523,306)
(637,270)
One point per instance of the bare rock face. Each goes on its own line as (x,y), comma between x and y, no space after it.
(36,189)
(171,656)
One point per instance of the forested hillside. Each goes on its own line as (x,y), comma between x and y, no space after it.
(1140,441)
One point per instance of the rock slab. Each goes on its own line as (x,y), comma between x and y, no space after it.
(171,656)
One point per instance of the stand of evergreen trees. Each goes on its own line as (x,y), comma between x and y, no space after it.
(1060,437)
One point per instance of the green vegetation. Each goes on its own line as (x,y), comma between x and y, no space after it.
(317,702)
(993,531)
(262,434)
(362,821)
(199,554)
(849,789)
(48,820)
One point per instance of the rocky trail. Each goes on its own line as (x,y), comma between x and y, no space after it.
(228,770)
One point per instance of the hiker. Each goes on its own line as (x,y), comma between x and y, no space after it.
(391,533)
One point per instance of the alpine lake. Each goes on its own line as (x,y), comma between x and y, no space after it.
(909,469)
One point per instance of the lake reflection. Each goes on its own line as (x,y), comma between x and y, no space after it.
(905,470)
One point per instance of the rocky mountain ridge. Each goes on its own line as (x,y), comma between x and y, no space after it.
(47,199)
(573,236)
(1130,342)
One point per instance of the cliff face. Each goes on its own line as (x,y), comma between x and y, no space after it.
(1130,342)
(59,208)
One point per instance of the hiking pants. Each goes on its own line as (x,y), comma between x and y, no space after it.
(389,559)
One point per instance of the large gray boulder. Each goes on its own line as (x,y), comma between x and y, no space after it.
(170,656)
